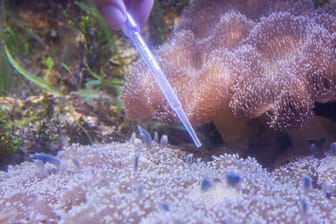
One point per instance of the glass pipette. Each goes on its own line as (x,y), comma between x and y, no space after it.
(132,30)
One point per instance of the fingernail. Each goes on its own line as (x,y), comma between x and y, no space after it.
(113,16)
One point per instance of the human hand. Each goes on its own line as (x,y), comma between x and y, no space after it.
(114,11)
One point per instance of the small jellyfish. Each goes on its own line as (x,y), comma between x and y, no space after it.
(76,162)
(145,136)
(132,138)
(206,184)
(165,206)
(333,148)
(304,204)
(156,137)
(316,144)
(328,188)
(306,182)
(136,162)
(164,140)
(233,178)
(140,189)
(189,159)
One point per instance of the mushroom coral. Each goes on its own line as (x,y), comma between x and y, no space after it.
(231,62)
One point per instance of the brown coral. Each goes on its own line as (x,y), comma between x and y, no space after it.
(273,58)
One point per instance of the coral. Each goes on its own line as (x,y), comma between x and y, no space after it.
(241,60)
(135,183)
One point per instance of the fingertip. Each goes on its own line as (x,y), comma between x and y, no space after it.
(141,10)
(113,16)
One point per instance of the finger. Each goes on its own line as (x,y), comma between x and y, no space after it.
(140,9)
(113,11)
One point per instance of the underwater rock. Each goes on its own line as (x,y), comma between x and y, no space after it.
(165,188)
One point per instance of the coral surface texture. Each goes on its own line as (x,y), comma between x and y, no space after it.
(255,57)
(135,183)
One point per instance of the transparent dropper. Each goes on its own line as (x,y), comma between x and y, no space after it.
(132,30)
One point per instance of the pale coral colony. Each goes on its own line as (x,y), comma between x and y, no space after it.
(231,62)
